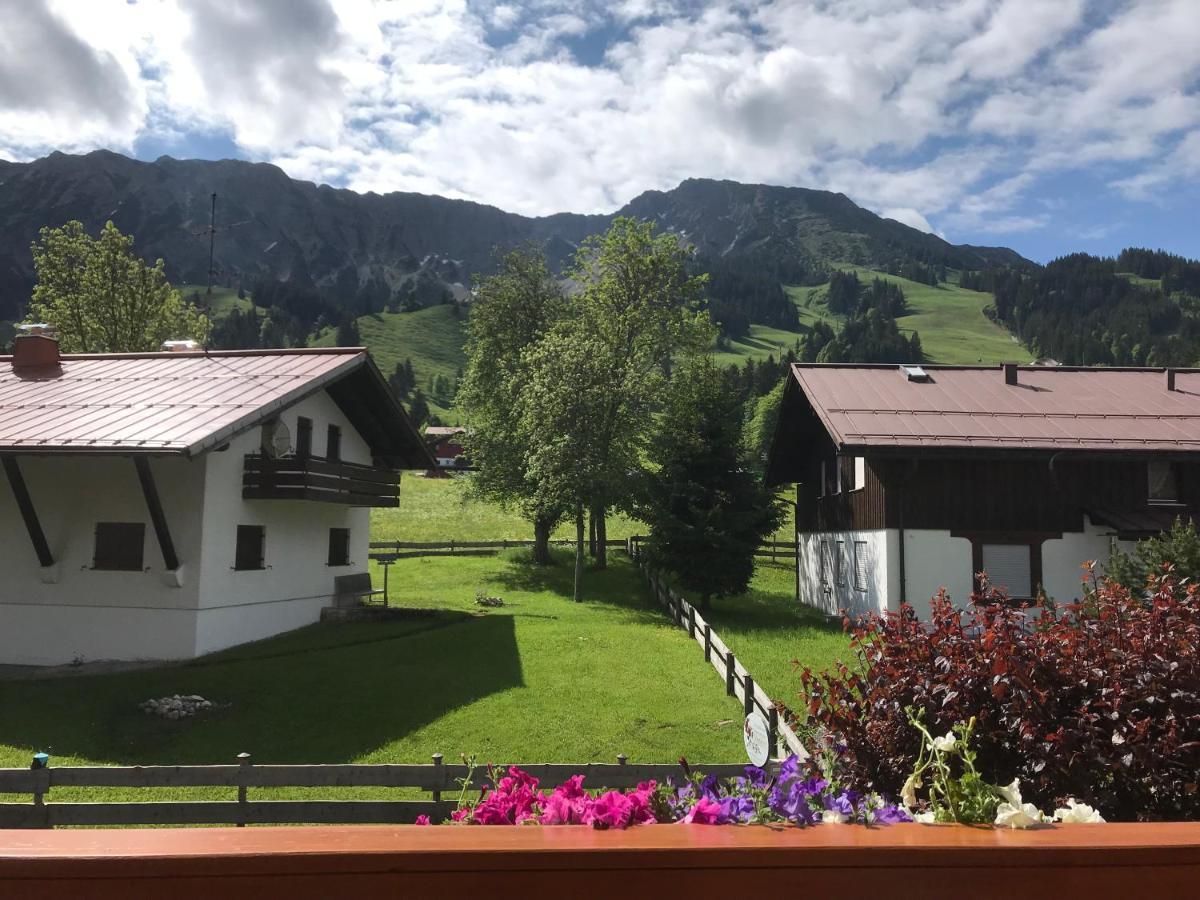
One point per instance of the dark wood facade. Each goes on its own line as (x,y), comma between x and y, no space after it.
(310,478)
(1014,493)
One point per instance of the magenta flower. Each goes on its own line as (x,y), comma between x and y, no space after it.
(705,812)
(610,810)
(422,820)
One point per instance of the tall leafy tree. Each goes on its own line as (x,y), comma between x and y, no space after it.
(707,511)
(512,312)
(638,309)
(102,297)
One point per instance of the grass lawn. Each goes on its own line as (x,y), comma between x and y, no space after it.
(767,629)
(540,680)
(432,338)
(219,303)
(437,509)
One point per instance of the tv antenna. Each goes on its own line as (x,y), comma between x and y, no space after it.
(211,231)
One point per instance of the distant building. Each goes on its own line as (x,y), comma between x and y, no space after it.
(912,478)
(165,505)
(444,444)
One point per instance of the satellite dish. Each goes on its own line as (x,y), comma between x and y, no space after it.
(277,440)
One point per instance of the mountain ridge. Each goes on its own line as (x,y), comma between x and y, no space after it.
(410,245)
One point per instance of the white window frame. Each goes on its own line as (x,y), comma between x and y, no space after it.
(860,473)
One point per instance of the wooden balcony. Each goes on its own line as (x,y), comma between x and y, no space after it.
(312,478)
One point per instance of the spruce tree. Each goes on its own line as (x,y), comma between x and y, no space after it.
(707,512)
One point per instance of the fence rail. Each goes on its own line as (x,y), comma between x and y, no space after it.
(739,682)
(387,551)
(441,781)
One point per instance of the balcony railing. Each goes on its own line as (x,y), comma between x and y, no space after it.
(312,478)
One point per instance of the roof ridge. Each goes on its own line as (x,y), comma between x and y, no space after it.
(204,354)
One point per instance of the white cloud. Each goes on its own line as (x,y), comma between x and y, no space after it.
(950,111)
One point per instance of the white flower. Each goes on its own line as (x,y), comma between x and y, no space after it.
(1012,793)
(1022,816)
(945,744)
(908,793)
(832,817)
(1075,812)
(925,818)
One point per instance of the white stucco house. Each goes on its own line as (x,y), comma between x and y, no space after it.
(165,505)
(909,479)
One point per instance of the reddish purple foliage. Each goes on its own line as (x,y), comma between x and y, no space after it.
(1098,700)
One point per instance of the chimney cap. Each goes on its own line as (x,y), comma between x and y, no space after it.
(41,329)
(35,351)
(1010,372)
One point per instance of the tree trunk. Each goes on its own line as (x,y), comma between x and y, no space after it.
(541,541)
(601,553)
(579,553)
(592,533)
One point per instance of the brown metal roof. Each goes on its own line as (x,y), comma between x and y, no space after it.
(1051,408)
(174,402)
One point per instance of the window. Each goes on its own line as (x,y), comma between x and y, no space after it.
(1161,484)
(339,546)
(251,543)
(333,442)
(860,565)
(860,473)
(303,437)
(825,567)
(119,546)
(1009,567)
(841,563)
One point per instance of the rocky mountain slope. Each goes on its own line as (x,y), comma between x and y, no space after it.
(273,226)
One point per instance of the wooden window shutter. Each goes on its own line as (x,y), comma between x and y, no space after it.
(339,546)
(251,546)
(304,437)
(860,565)
(333,443)
(1009,567)
(119,546)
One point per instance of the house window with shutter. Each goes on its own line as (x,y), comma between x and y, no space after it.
(1161,482)
(1009,568)
(860,473)
(860,565)
(339,546)
(824,563)
(841,563)
(303,437)
(251,546)
(119,546)
(333,443)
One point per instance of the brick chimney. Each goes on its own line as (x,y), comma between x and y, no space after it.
(1010,373)
(34,351)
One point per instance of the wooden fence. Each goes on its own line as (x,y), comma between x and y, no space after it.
(739,682)
(443,782)
(388,551)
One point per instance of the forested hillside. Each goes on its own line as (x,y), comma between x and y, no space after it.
(1140,308)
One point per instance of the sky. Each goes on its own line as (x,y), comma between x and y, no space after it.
(1050,126)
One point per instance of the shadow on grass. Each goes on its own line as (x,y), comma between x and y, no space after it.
(323,700)
(618,587)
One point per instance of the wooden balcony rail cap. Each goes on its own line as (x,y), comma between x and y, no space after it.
(1094,861)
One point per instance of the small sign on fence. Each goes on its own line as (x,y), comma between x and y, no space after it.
(756,736)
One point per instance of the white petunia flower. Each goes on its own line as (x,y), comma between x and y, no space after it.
(925,818)
(832,817)
(1012,793)
(1075,812)
(1022,816)
(945,744)
(908,793)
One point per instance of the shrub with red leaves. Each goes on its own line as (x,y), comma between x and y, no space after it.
(1099,700)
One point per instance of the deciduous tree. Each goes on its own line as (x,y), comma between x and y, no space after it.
(102,297)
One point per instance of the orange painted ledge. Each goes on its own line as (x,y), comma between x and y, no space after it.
(661,861)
